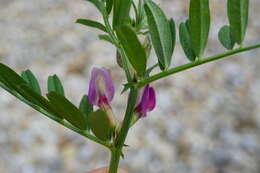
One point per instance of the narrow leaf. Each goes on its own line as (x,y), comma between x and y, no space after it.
(161,33)
(238,18)
(31,80)
(70,112)
(35,98)
(86,108)
(100,125)
(15,82)
(109,5)
(185,41)
(225,37)
(105,38)
(199,24)
(173,31)
(121,12)
(9,77)
(133,48)
(54,84)
(92,23)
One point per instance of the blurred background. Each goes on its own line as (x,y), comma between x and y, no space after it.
(207,119)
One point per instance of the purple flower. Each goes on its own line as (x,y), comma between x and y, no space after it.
(101,88)
(147,102)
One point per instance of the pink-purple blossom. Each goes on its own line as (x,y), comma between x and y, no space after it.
(147,101)
(101,88)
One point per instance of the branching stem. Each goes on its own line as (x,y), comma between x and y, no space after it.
(120,140)
(194,64)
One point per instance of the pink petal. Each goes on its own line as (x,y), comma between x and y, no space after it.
(110,89)
(147,102)
(92,92)
(152,99)
(101,85)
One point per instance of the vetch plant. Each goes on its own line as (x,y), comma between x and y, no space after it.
(133,36)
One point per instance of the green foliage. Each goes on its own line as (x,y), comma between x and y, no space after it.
(85,107)
(133,48)
(226,38)
(92,23)
(10,78)
(17,84)
(105,38)
(65,108)
(31,80)
(121,12)
(109,5)
(161,32)
(100,125)
(199,24)
(238,18)
(37,99)
(185,41)
(54,84)
(173,31)
(153,28)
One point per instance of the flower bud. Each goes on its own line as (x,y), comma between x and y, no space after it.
(146,103)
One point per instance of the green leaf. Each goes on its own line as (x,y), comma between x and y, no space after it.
(140,16)
(238,18)
(100,125)
(121,12)
(105,38)
(173,31)
(92,23)
(70,112)
(31,80)
(35,98)
(15,82)
(185,41)
(199,24)
(85,107)
(99,5)
(9,77)
(54,84)
(225,37)
(133,48)
(161,33)
(109,5)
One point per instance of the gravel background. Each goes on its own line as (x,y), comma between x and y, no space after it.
(207,119)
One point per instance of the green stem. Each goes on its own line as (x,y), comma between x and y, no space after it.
(111,33)
(120,140)
(128,118)
(58,120)
(193,64)
(114,161)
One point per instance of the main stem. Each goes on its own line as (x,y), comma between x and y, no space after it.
(120,140)
(114,161)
